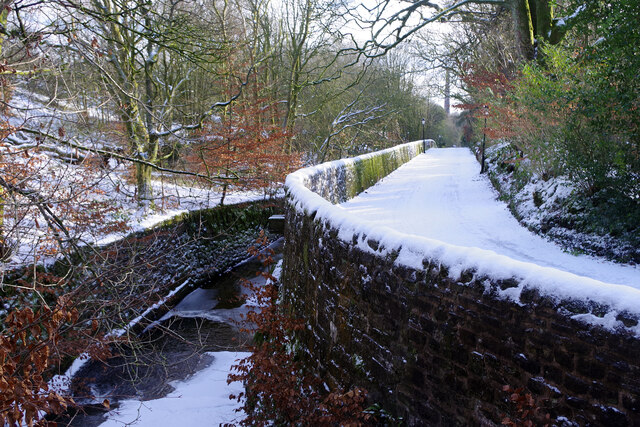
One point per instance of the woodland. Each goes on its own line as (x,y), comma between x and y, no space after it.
(101,100)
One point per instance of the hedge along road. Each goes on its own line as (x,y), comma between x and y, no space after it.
(441,195)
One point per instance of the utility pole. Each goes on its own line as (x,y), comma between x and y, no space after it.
(424,142)
(484,135)
(447,92)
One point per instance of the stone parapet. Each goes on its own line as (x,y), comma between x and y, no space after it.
(434,341)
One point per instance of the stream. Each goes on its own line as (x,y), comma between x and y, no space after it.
(203,327)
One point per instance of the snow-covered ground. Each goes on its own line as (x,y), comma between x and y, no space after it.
(442,196)
(93,197)
(202,400)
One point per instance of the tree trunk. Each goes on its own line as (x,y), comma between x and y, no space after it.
(145,147)
(4,13)
(3,21)
(533,9)
(524,27)
(143,182)
(299,39)
(4,250)
(447,93)
(292,95)
(544,19)
(533,20)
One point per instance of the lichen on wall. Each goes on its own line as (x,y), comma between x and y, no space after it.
(342,180)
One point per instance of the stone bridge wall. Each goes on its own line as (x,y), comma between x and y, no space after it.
(433,342)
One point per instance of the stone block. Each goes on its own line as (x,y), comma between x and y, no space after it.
(416,337)
(591,368)
(577,402)
(628,319)
(595,337)
(553,373)
(467,338)
(478,388)
(529,296)
(492,361)
(563,358)
(602,393)
(529,364)
(631,403)
(629,344)
(460,355)
(610,416)
(495,323)
(577,346)
(540,387)
(497,347)
(476,363)
(575,384)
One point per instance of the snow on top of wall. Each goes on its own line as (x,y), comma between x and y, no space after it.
(306,173)
(412,251)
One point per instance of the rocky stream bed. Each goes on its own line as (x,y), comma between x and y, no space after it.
(204,255)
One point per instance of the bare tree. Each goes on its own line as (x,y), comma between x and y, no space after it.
(145,53)
(392,22)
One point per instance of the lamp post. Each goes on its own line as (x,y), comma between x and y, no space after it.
(484,134)
(424,142)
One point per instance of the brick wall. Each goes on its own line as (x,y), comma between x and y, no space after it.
(437,351)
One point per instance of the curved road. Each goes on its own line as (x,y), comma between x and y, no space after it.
(441,195)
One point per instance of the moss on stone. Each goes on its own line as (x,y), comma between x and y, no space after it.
(364,173)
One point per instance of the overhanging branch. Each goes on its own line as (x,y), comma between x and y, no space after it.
(211,179)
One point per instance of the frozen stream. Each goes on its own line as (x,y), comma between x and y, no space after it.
(177,374)
(441,195)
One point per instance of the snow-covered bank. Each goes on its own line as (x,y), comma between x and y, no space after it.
(582,219)
(438,208)
(200,400)
(91,195)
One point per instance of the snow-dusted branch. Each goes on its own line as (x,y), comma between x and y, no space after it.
(211,110)
(349,118)
(69,143)
(55,224)
(389,31)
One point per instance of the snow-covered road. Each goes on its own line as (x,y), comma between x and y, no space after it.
(441,195)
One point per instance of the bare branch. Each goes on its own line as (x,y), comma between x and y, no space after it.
(211,179)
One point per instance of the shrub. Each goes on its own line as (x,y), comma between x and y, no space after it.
(569,116)
(29,348)
(279,388)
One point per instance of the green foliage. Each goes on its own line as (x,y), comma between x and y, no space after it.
(613,60)
(570,117)
(574,111)
(542,100)
(605,213)
(605,224)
